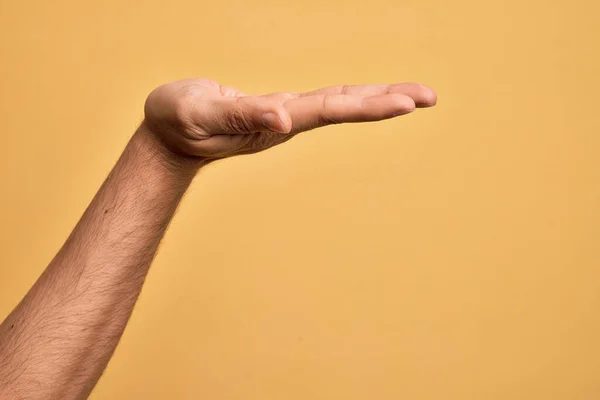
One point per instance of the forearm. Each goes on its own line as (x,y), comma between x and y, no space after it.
(58,340)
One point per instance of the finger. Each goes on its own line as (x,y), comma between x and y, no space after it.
(364,90)
(281,96)
(423,95)
(325,109)
(243,115)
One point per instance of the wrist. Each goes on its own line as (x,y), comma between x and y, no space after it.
(151,143)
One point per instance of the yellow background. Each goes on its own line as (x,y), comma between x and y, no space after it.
(450,254)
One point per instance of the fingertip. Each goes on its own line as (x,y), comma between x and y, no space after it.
(423,95)
(428,97)
(404,104)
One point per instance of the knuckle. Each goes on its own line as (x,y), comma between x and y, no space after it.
(239,119)
(325,116)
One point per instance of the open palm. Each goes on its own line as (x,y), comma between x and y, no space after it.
(199,117)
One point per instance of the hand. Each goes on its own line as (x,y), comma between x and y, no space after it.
(199,117)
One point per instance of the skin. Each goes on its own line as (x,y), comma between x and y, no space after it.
(58,340)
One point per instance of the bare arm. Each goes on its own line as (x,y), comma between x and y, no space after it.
(59,339)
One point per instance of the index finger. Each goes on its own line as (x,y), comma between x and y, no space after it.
(423,95)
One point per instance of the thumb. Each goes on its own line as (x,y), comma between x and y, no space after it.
(248,114)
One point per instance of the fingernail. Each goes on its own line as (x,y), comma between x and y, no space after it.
(272,122)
